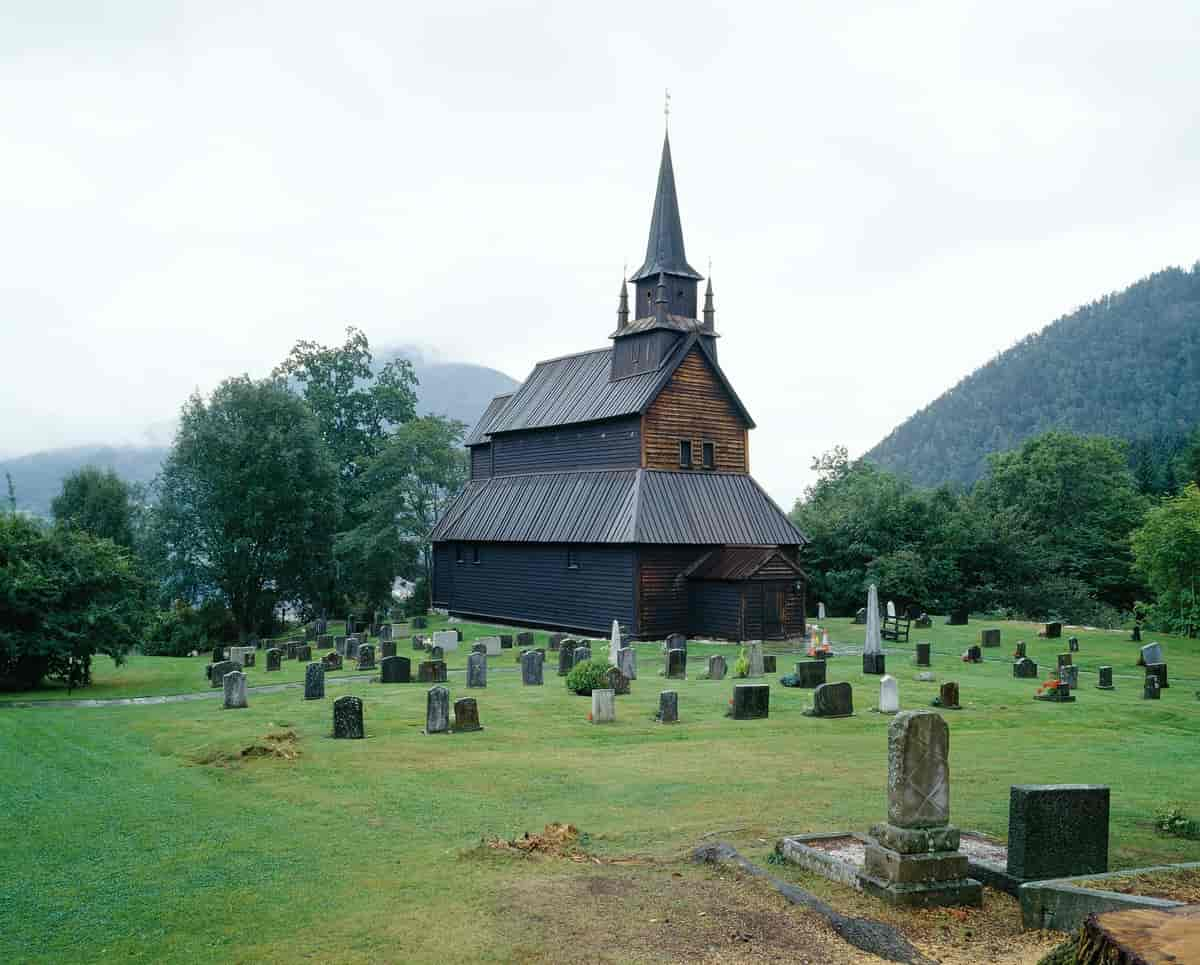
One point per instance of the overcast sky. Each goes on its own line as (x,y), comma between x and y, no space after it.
(890,194)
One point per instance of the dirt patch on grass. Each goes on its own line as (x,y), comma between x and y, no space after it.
(1179,885)
(555,841)
(277,744)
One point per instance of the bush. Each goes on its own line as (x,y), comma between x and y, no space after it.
(741,666)
(588,676)
(1174,822)
(182,629)
(417,604)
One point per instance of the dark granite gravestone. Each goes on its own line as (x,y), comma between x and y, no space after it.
(769,663)
(989,638)
(1106,679)
(339,645)
(924,652)
(466,715)
(332,660)
(274,659)
(1137,633)
(973,655)
(1064,660)
(531,668)
(676,664)
(874,663)
(566,660)
(913,611)
(617,682)
(832,700)
(437,711)
(248,658)
(303,653)
(1151,690)
(1020,651)
(436,653)
(385,632)
(218,654)
(506,641)
(1024,668)
(477,670)
(219,670)
(525,641)
(751,701)
(1150,653)
(957,618)
(676,641)
(810,673)
(580,655)
(860,616)
(668,707)
(1073,644)
(1069,675)
(419,623)
(1053,631)
(314,681)
(366,657)
(348,718)
(947,697)
(1158,670)
(717,668)
(395,670)
(1057,830)
(923,622)
(387,648)
(418,642)
(556,640)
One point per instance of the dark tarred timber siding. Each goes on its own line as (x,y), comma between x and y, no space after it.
(694,405)
(715,610)
(662,596)
(616,444)
(481,461)
(530,583)
(789,604)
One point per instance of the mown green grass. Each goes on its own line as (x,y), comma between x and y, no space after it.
(122,845)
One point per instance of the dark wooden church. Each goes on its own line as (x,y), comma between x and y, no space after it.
(615,484)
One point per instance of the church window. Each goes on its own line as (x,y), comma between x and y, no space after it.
(458,553)
(572,559)
(475,554)
(685,453)
(709,455)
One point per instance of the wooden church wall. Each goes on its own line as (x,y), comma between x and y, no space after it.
(615,444)
(694,405)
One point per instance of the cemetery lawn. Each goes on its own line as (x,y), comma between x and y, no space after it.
(141,833)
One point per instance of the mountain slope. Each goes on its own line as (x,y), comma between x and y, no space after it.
(1128,365)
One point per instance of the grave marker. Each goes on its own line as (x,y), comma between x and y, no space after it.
(947,697)
(1106,679)
(924,651)
(477,670)
(832,700)
(716,668)
(531,668)
(466,715)
(366,657)
(751,701)
(314,681)
(274,659)
(989,637)
(627,662)
(348,718)
(668,707)
(1057,830)
(604,707)
(219,670)
(889,695)
(234,683)
(395,670)
(437,711)
(676,664)
(810,673)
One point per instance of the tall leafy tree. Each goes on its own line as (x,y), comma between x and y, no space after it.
(100,503)
(247,501)
(1167,551)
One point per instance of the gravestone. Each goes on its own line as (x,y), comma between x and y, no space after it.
(419,623)
(1020,651)
(973,655)
(366,657)
(491,646)
(208,673)
(1053,631)
(525,641)
(676,664)
(873,659)
(1069,675)
(446,639)
(556,640)
(913,858)
(395,670)
(348,718)
(339,645)
(436,653)
(418,642)
(755,655)
(891,608)
(926,677)
(1073,644)
(769,663)
(924,651)
(303,653)
(751,701)
(627,662)
(1064,660)
(324,641)
(1057,830)
(604,707)
(274,659)
(1151,690)
(234,683)
(219,670)
(821,611)
(249,657)
(668,707)
(948,696)
(1150,653)
(385,633)
(860,615)
(889,695)
(874,663)
(832,700)
(958,618)
(923,622)
(506,641)
(1158,670)
(466,715)
(581,655)
(1106,679)
(314,681)
(332,660)
(989,638)
(437,671)
(387,648)
(479,648)
(531,668)
(477,670)
(566,660)
(676,641)
(437,711)
(716,668)
(1136,637)
(1025,669)
(617,682)
(810,673)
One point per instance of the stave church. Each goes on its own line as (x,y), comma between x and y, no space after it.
(615,484)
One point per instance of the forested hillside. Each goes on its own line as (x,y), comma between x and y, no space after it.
(1127,366)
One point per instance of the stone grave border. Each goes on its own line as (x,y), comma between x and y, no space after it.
(1063,904)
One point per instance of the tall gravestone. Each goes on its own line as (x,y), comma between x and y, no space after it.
(339,645)
(581,655)
(1069,675)
(395,670)
(466,715)
(716,668)
(889,695)
(477,670)
(366,657)
(566,660)
(820,611)
(274,659)
(1151,689)
(676,664)
(668,707)
(1057,830)
(234,683)
(314,681)
(924,651)
(913,858)
(604,707)
(531,668)
(832,700)
(219,670)
(1158,670)
(754,655)
(627,662)
(769,663)
(1073,644)
(348,718)
(437,711)
(1020,651)
(873,661)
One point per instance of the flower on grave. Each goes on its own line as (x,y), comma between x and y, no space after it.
(589,715)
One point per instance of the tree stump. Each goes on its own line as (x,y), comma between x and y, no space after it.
(1141,936)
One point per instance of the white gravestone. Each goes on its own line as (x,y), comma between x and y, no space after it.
(889,695)
(446,639)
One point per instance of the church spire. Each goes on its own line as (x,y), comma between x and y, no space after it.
(710,313)
(664,247)
(623,306)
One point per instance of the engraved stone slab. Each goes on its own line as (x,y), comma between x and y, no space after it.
(466,715)
(395,670)
(755,655)
(918,770)
(668,707)
(437,711)
(531,668)
(604,707)
(627,662)
(366,657)
(446,639)
(676,664)
(234,683)
(219,670)
(810,673)
(274,659)
(477,670)
(314,681)
(348,718)
(717,668)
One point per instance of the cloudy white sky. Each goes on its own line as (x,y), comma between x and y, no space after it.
(890,193)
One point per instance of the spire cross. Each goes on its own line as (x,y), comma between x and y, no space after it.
(667,108)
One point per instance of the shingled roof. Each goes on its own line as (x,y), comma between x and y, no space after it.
(618,506)
(578,388)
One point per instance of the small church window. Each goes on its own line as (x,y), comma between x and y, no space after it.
(685,453)
(458,553)
(572,559)
(709,455)
(475,554)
